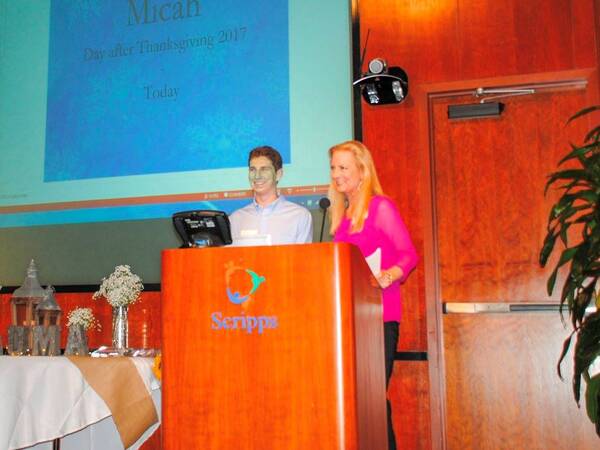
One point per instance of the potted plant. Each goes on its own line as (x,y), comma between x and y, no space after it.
(575,221)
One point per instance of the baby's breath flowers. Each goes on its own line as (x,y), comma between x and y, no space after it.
(121,288)
(84,317)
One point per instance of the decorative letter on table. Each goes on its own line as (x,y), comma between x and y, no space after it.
(46,341)
(18,340)
(77,343)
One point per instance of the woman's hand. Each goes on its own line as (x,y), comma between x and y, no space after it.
(384,279)
(388,276)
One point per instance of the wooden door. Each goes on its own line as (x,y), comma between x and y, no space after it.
(500,387)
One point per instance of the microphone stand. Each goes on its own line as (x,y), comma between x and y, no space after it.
(323,204)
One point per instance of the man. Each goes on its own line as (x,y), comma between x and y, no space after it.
(270,219)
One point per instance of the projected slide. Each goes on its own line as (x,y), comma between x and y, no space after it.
(117,110)
(145,86)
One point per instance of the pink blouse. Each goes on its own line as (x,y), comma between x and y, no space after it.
(385,229)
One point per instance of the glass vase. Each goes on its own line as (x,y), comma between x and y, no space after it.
(120,330)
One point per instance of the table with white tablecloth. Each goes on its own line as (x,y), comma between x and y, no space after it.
(45,398)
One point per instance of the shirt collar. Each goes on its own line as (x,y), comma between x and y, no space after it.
(270,207)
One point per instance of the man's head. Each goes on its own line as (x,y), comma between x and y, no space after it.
(268,152)
(264,172)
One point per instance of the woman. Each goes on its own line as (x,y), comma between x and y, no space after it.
(361,215)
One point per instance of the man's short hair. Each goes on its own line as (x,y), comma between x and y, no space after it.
(268,152)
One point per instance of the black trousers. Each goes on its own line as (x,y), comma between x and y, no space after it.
(391,331)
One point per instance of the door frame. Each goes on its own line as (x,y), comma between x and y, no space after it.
(425,95)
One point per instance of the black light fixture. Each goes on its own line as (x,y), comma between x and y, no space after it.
(383,85)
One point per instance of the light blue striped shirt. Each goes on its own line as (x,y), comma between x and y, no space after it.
(284,221)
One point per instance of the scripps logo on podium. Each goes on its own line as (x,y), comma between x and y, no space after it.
(234,295)
(240,285)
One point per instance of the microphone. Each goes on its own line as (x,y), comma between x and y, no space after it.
(324,203)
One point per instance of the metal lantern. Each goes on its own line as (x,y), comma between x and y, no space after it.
(48,312)
(46,334)
(23,305)
(26,298)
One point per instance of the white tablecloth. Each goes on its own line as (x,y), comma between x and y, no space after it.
(43,398)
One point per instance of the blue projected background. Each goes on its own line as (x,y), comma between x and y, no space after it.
(138,88)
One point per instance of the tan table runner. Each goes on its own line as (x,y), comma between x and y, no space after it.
(117,381)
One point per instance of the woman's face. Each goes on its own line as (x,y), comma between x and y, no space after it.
(345,173)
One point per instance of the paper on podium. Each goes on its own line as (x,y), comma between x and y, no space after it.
(374,261)
(251,238)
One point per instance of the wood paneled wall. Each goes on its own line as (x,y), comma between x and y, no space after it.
(438,41)
(441,40)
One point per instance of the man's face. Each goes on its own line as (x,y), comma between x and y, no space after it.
(263,176)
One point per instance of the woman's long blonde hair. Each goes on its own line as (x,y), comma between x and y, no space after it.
(368,187)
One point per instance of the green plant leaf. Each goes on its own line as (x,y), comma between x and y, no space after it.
(583,112)
(551,282)
(567,255)
(576,152)
(547,248)
(593,136)
(585,218)
(565,350)
(569,212)
(569,174)
(592,397)
(588,195)
(568,292)
(567,187)
(583,299)
(564,237)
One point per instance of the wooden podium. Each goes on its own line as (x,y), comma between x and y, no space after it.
(271,348)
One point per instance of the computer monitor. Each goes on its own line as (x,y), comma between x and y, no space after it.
(203,228)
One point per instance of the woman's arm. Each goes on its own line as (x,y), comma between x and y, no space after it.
(389,222)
